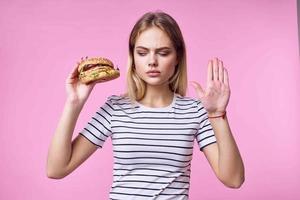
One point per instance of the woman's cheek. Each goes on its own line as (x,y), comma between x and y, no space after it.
(140,62)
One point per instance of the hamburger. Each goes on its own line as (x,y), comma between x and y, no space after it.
(97,69)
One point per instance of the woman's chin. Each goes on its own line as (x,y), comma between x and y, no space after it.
(157,83)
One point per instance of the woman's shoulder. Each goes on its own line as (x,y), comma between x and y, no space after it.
(188,99)
(187,102)
(118,99)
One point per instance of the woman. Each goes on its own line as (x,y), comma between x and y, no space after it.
(153,125)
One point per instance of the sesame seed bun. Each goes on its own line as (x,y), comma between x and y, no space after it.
(97,69)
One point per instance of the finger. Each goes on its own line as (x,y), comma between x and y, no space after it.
(221,71)
(198,88)
(226,78)
(74,72)
(209,71)
(215,70)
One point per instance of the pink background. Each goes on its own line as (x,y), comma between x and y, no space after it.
(40,41)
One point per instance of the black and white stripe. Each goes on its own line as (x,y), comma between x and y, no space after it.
(152,147)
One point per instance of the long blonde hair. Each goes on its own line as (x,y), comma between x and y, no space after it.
(136,87)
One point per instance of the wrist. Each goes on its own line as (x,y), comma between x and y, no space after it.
(75,99)
(74,102)
(217,114)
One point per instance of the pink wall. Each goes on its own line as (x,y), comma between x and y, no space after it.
(40,41)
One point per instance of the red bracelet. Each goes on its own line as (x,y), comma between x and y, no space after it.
(223,115)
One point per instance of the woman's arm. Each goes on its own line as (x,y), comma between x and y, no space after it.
(65,156)
(224,156)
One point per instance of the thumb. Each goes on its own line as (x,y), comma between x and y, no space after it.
(200,92)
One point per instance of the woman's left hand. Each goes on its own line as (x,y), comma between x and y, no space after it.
(216,96)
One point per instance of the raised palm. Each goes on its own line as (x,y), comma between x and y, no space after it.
(216,96)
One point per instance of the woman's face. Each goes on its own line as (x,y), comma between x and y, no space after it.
(154,57)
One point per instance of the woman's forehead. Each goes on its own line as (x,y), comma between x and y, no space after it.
(153,37)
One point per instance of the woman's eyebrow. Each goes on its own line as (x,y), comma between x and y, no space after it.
(161,48)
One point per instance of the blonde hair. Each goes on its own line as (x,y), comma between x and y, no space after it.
(136,87)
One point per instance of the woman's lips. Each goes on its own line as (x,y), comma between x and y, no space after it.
(153,73)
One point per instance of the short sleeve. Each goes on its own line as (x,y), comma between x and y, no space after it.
(98,129)
(205,134)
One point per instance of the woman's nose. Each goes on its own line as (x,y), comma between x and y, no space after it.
(152,60)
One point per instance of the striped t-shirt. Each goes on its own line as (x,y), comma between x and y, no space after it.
(152,147)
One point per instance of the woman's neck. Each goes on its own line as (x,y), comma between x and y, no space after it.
(157,97)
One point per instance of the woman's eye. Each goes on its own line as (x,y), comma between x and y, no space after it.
(159,53)
(141,53)
(164,53)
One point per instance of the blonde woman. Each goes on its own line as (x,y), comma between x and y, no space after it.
(153,126)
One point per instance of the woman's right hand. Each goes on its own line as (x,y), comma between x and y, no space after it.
(77,92)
